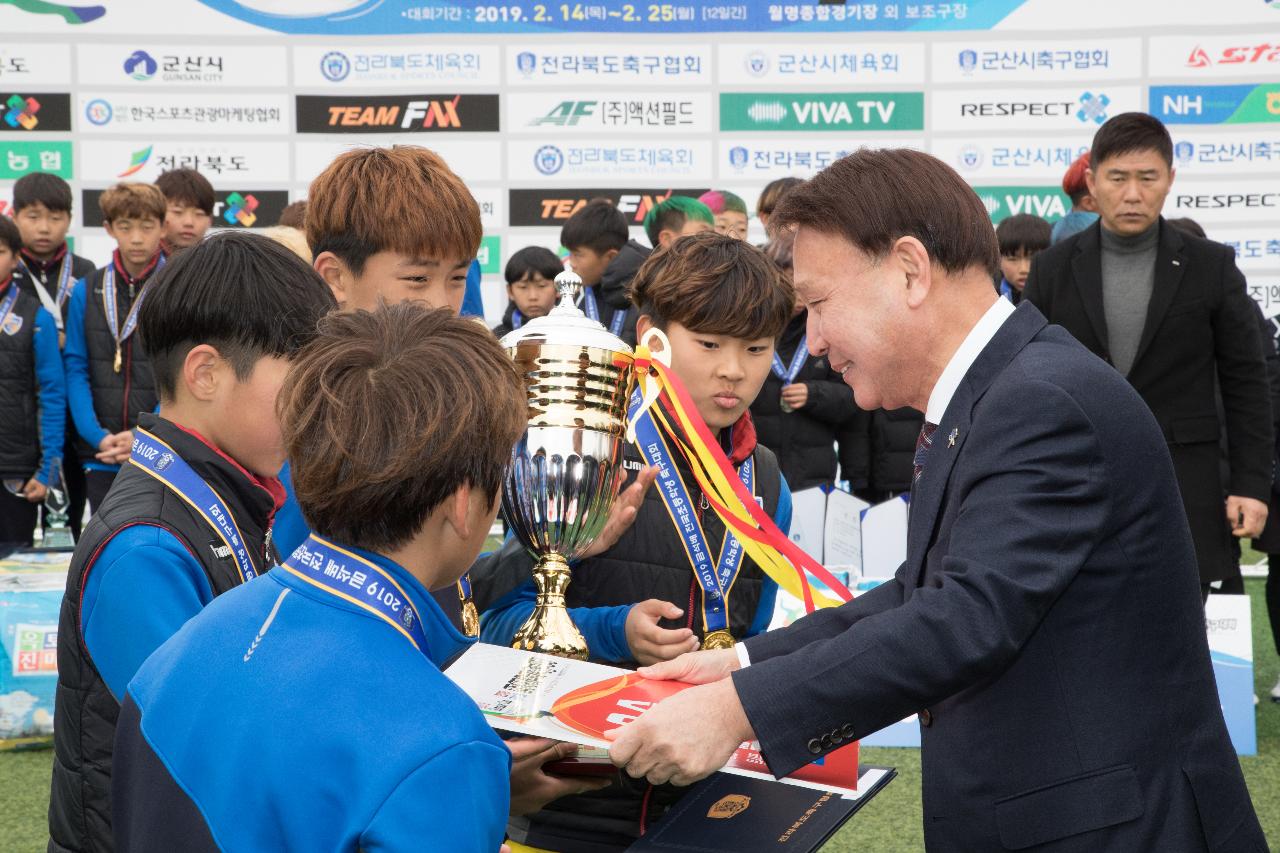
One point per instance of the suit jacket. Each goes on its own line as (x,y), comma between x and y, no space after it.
(1198,331)
(1046,625)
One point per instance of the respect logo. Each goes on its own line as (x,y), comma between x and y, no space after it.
(22,112)
(240,210)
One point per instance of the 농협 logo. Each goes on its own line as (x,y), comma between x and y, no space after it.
(771,112)
(1093,108)
(526,63)
(137,160)
(21,112)
(757,63)
(335,66)
(729,806)
(240,210)
(140,65)
(98,112)
(738,156)
(548,159)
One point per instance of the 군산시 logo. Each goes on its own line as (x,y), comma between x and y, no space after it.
(1093,108)
(335,66)
(240,210)
(140,65)
(98,112)
(21,112)
(548,159)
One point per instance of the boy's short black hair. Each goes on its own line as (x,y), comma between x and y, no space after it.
(598,225)
(242,293)
(188,187)
(537,259)
(1023,232)
(42,188)
(1130,132)
(9,235)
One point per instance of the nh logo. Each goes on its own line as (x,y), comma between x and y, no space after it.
(432,113)
(567,113)
(1183,105)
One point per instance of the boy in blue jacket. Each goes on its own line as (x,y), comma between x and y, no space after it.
(33,399)
(398,456)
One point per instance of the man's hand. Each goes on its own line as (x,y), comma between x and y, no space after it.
(531,786)
(795,395)
(1247,516)
(683,738)
(106,448)
(623,513)
(124,446)
(650,642)
(695,668)
(35,491)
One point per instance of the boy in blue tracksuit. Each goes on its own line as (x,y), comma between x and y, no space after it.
(189,515)
(676,580)
(368,745)
(33,399)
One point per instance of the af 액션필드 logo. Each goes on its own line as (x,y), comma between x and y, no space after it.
(1093,108)
(335,66)
(21,112)
(240,210)
(140,65)
(548,159)
(567,113)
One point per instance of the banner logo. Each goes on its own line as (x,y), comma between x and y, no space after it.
(822,111)
(240,210)
(553,207)
(729,806)
(1093,108)
(548,159)
(397,114)
(99,112)
(335,66)
(140,65)
(137,160)
(22,112)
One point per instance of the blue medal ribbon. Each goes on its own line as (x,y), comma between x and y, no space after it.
(339,572)
(788,374)
(10,299)
(517,319)
(716,580)
(592,309)
(109,303)
(163,462)
(64,285)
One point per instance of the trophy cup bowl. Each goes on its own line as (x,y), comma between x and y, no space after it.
(564,471)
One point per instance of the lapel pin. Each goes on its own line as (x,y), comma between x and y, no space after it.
(1177,263)
(951,439)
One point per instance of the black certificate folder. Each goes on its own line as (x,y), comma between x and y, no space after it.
(725,813)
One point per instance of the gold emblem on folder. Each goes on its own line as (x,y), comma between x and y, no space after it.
(729,806)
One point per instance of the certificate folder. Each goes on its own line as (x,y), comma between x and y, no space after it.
(734,813)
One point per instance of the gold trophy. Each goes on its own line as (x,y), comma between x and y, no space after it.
(564,471)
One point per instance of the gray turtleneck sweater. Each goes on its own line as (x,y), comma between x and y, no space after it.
(1128,278)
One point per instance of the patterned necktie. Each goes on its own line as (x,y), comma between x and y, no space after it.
(923,443)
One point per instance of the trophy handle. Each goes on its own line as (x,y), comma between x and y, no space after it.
(549,629)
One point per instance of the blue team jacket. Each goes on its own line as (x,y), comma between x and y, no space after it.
(284,718)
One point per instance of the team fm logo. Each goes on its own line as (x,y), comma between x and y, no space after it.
(21,112)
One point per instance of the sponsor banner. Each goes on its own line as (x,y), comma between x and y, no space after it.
(368,66)
(822,111)
(237,208)
(614,112)
(1047,202)
(1011,159)
(766,159)
(240,114)
(1027,60)
(40,112)
(491,201)
(982,110)
(19,157)
(1204,152)
(838,64)
(1243,104)
(1231,648)
(6,200)
(161,65)
(23,65)
(649,65)
(473,161)
(1255,248)
(449,113)
(1205,57)
(1265,290)
(551,207)
(490,255)
(1225,201)
(530,160)
(224,163)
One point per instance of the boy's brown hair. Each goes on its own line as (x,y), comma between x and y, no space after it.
(714,284)
(402,199)
(187,187)
(130,200)
(387,413)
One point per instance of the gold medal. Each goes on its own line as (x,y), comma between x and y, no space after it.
(118,361)
(470,616)
(785,406)
(718,640)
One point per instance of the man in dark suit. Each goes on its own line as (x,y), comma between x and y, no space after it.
(1046,624)
(1170,312)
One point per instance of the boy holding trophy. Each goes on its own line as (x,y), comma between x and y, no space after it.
(675,580)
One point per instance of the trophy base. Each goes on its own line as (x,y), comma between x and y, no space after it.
(549,629)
